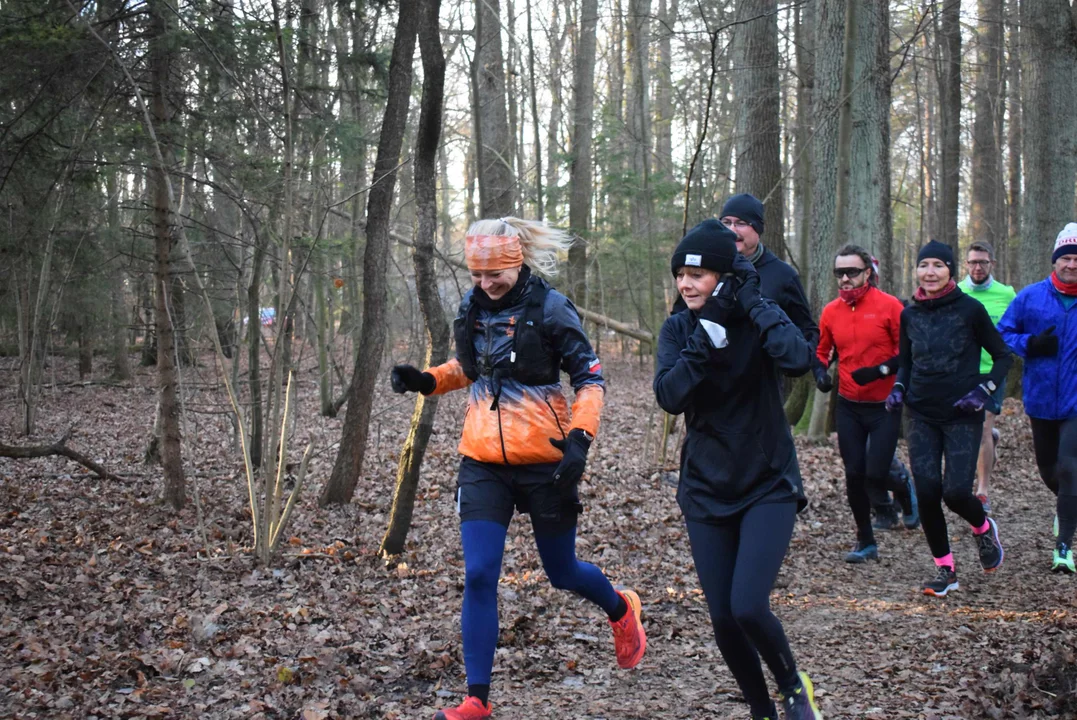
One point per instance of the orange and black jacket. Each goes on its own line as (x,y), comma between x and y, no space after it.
(516,429)
(864,334)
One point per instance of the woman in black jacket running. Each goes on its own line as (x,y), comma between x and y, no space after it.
(942,334)
(740,486)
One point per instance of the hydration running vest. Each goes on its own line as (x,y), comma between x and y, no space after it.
(531,360)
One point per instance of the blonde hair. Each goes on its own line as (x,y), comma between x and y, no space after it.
(540,242)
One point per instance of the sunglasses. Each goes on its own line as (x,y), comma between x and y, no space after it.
(850,273)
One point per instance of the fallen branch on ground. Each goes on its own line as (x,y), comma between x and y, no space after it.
(57,448)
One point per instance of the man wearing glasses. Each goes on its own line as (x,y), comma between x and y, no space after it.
(743,214)
(995,297)
(862,329)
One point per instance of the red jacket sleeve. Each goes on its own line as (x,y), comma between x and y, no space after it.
(826,338)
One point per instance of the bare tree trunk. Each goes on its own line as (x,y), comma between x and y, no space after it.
(121,366)
(539,205)
(987,190)
(950,119)
(663,109)
(349,463)
(802,178)
(1049,67)
(553,130)
(497,189)
(1014,142)
(869,161)
(581,188)
(437,328)
(759,132)
(834,42)
(638,126)
(161,86)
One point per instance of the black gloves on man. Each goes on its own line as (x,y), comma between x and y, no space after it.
(405,378)
(1045,344)
(575,448)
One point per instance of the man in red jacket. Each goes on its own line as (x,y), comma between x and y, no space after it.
(862,327)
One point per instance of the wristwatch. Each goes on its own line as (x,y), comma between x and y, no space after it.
(990,385)
(589,436)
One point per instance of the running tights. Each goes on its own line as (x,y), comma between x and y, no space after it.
(737,563)
(867,437)
(959,444)
(484,545)
(1055,444)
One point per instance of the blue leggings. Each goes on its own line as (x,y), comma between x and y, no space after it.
(737,563)
(484,546)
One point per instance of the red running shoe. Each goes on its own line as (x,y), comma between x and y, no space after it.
(629,638)
(471,709)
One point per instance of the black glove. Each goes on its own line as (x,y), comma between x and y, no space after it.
(1043,345)
(722,304)
(574,447)
(866,375)
(748,295)
(405,378)
(822,379)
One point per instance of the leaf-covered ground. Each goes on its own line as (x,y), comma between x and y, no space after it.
(111,605)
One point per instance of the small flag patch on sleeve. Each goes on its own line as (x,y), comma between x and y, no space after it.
(595,366)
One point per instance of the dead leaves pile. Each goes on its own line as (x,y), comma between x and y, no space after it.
(111,607)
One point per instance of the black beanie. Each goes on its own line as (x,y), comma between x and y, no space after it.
(938,251)
(747,208)
(709,245)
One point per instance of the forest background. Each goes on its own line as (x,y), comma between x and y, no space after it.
(257,198)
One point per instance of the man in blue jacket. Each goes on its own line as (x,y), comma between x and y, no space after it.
(1041,326)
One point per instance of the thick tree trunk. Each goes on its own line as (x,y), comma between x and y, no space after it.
(349,463)
(949,39)
(160,68)
(759,132)
(1049,67)
(986,212)
(437,328)
(497,186)
(834,42)
(869,161)
(581,187)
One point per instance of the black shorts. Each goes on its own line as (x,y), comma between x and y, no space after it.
(485,491)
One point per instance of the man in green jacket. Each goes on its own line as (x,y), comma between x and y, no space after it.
(981,284)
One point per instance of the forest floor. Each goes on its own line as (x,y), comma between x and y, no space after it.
(111,606)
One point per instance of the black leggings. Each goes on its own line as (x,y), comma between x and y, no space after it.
(960,445)
(737,563)
(1055,444)
(867,438)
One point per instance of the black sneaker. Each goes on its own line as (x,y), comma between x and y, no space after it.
(886,518)
(991,553)
(944,582)
(799,703)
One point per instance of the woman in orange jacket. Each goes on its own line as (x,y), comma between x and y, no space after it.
(522,448)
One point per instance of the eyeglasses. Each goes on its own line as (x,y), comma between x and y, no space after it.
(979,262)
(850,273)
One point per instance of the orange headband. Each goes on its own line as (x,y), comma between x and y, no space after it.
(493,252)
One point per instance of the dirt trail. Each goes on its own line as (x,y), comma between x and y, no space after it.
(108,608)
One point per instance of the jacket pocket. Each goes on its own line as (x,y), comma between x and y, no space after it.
(724,467)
